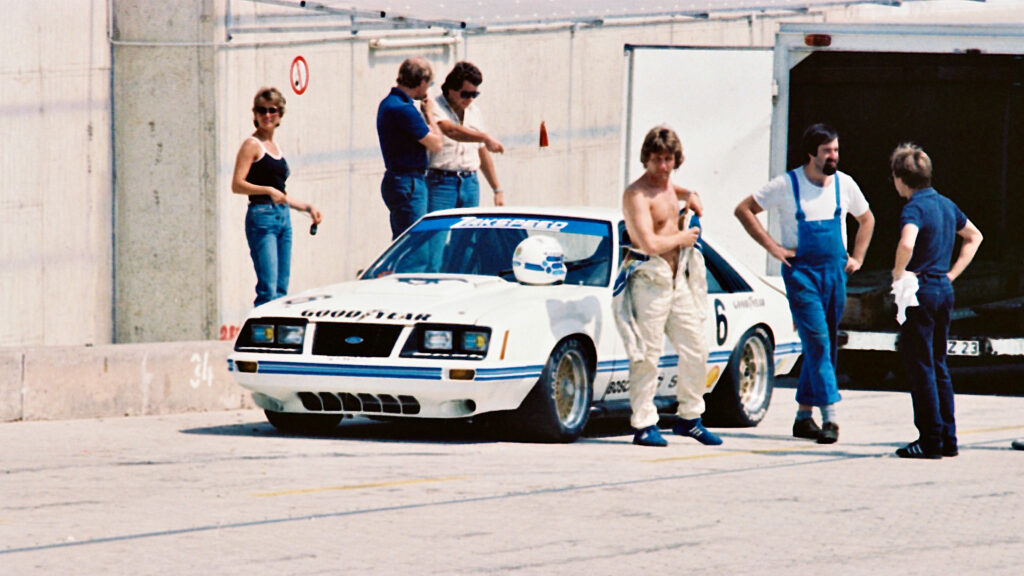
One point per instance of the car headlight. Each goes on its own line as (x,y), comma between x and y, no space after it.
(475,341)
(447,341)
(288,334)
(285,335)
(437,340)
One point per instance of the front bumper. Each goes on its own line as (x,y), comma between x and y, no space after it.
(416,389)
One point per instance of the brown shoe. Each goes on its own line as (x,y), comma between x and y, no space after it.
(829,433)
(806,428)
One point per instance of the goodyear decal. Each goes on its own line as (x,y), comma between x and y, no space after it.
(748,302)
(359,315)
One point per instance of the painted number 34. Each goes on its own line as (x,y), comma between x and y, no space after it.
(202,372)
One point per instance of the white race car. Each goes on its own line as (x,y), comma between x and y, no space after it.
(439,327)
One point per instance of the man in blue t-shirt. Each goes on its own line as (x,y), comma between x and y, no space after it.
(929,225)
(405,136)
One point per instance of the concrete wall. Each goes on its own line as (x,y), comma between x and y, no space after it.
(55,174)
(61,382)
(165,229)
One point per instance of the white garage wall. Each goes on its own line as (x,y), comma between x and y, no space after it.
(55,179)
(118,224)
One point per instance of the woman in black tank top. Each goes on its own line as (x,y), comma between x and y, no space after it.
(260,173)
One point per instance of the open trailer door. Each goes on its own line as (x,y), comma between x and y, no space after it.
(958,91)
(723,121)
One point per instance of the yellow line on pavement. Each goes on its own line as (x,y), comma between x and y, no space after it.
(722,454)
(358,486)
(994,429)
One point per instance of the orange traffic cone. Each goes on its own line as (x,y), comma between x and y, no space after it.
(543,135)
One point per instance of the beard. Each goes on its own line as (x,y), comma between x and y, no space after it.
(828,169)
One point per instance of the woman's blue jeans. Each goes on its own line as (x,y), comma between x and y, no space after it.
(268,228)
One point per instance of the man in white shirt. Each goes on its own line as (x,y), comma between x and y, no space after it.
(811,204)
(452,174)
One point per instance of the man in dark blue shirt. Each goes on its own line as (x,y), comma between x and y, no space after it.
(405,136)
(929,225)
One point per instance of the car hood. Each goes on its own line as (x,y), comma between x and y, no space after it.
(402,298)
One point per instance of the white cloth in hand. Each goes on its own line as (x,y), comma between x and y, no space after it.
(905,290)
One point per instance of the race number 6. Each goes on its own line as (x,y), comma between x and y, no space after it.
(721,323)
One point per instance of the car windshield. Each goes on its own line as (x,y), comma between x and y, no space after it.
(484,244)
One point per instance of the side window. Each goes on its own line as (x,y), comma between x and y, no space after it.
(722,278)
(714,286)
(624,241)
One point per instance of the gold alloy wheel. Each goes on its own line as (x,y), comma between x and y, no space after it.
(570,380)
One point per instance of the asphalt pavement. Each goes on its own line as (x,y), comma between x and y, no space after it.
(224,493)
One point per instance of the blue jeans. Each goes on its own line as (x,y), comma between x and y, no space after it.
(817,297)
(268,228)
(923,344)
(452,191)
(406,197)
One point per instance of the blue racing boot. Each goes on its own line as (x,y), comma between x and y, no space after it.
(649,436)
(694,429)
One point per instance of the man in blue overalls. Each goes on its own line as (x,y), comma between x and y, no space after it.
(810,205)
(929,225)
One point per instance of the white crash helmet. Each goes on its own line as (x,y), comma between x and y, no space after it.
(539,260)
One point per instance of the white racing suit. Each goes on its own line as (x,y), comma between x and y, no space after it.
(650,303)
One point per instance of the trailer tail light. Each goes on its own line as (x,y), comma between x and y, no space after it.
(818,40)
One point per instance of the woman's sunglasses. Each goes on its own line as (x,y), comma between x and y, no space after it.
(265,110)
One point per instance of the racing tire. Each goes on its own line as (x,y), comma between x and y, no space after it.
(292,423)
(744,392)
(558,406)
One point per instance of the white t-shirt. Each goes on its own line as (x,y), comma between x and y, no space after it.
(455,155)
(818,203)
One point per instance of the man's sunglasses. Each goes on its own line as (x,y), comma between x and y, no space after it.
(469,94)
(265,110)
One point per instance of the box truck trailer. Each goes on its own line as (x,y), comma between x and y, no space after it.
(957,91)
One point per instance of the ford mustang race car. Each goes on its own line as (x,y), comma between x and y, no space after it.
(439,327)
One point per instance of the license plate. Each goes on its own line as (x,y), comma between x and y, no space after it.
(963,348)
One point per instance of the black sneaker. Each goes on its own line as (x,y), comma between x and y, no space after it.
(916,450)
(1018,444)
(806,428)
(949,449)
(829,433)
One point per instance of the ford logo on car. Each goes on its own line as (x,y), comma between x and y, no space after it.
(353,340)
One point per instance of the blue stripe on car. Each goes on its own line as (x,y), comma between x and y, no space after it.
(483,374)
(305,369)
(487,374)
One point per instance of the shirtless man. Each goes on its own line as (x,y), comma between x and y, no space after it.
(667,292)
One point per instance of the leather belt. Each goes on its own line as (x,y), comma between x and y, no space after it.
(452,173)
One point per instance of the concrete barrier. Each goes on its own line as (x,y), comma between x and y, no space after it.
(54,383)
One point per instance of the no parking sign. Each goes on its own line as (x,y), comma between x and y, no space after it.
(299,75)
